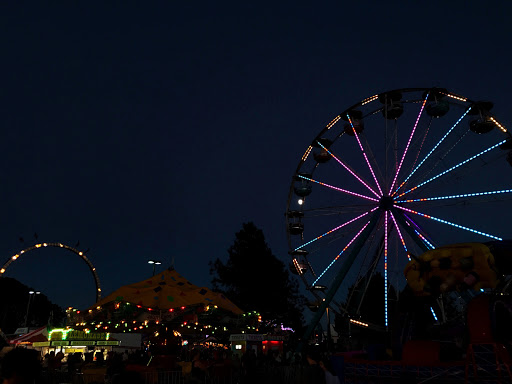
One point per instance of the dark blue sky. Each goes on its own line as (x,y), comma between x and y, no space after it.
(156,131)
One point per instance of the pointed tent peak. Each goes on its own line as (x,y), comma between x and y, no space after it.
(168,289)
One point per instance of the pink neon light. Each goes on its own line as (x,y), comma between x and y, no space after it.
(386,267)
(408,143)
(400,234)
(348,169)
(340,189)
(338,227)
(364,154)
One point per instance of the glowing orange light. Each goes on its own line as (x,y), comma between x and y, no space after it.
(336,119)
(306,154)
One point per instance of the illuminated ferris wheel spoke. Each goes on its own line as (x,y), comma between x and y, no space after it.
(464,195)
(424,239)
(371,156)
(452,168)
(449,223)
(418,230)
(338,189)
(364,154)
(386,268)
(339,254)
(400,235)
(335,229)
(441,158)
(421,145)
(348,169)
(408,144)
(433,149)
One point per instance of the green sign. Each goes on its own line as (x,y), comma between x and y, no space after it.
(82,343)
(60,343)
(108,342)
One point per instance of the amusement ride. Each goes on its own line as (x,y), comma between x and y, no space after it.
(392,177)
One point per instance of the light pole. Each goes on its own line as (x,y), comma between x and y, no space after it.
(154,262)
(31,293)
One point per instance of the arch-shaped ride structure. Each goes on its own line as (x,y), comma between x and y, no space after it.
(56,245)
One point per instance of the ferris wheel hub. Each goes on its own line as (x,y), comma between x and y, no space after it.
(386,203)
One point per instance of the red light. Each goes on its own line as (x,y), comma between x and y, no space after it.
(171,309)
(184,323)
(182,307)
(149,309)
(139,306)
(77,311)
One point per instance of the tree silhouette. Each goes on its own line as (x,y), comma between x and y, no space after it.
(14,297)
(255,279)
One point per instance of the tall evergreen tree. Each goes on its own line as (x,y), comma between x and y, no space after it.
(255,279)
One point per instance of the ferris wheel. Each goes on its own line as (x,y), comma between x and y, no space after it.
(393,176)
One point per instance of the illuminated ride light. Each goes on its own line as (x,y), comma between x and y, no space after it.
(386,268)
(338,189)
(501,127)
(449,223)
(408,144)
(400,235)
(460,98)
(306,154)
(359,323)
(433,314)
(456,196)
(349,170)
(336,119)
(59,245)
(335,229)
(428,243)
(432,150)
(364,154)
(344,249)
(452,168)
(369,99)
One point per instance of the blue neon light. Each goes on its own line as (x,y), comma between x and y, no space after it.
(456,196)
(454,167)
(433,149)
(433,314)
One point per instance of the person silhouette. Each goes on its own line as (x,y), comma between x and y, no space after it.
(20,366)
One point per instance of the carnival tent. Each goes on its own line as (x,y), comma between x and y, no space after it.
(167,290)
(40,334)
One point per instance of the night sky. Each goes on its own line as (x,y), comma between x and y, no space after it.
(154,132)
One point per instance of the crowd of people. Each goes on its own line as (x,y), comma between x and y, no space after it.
(195,365)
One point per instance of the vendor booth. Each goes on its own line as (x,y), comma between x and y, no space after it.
(241,343)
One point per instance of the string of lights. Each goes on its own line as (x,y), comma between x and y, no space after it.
(364,154)
(348,169)
(338,189)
